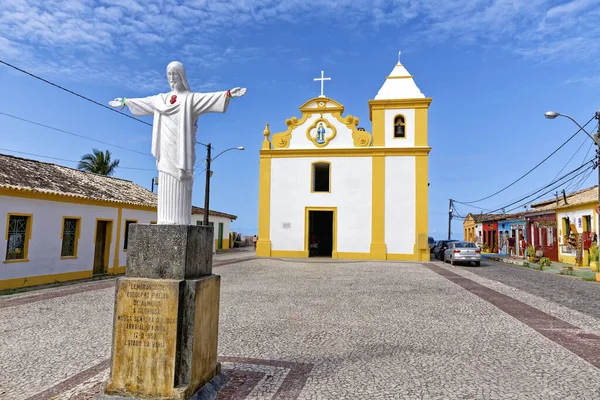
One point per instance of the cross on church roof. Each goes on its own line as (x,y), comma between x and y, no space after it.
(322,79)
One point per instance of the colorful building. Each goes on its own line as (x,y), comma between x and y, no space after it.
(64,224)
(511,226)
(577,225)
(473,226)
(323,171)
(542,232)
(490,235)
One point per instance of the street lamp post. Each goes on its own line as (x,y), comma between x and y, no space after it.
(596,139)
(209,160)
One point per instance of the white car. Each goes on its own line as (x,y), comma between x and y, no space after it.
(462,252)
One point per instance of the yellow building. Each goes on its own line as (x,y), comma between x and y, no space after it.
(577,224)
(329,188)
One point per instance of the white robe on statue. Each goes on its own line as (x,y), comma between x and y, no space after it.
(174,146)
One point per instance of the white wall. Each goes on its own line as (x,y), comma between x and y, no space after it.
(215,220)
(45,244)
(409,120)
(351,188)
(400,207)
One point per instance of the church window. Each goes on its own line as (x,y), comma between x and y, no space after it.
(399,127)
(126,241)
(70,234)
(18,234)
(320,177)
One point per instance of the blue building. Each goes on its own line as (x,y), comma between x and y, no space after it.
(512,226)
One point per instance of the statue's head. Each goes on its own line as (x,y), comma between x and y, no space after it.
(176,76)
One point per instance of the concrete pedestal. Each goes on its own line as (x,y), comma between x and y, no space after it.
(166,315)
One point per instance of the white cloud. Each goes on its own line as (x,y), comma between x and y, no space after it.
(141,29)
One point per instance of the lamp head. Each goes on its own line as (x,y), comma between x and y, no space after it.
(240,148)
(551,114)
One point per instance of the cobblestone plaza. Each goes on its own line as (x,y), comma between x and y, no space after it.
(336,330)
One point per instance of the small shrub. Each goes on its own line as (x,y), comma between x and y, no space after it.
(545,262)
(531,251)
(526,264)
(594,252)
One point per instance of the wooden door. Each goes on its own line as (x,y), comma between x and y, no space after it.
(99,251)
(220,236)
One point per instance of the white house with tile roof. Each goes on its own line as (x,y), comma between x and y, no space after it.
(64,224)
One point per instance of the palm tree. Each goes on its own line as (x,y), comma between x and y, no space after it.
(98,163)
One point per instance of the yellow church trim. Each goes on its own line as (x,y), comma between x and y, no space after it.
(328,139)
(263,244)
(289,253)
(378,248)
(334,253)
(281,140)
(266,145)
(322,106)
(399,77)
(378,119)
(380,105)
(421,207)
(421,126)
(359,138)
(349,152)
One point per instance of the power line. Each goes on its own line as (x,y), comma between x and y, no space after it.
(531,170)
(547,186)
(73,93)
(550,191)
(73,134)
(62,159)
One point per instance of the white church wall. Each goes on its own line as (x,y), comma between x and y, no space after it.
(350,192)
(409,120)
(342,139)
(400,207)
(45,243)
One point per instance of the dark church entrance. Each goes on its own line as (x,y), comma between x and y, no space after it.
(320,233)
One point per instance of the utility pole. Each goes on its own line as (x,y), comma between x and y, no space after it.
(449,218)
(207,185)
(597,115)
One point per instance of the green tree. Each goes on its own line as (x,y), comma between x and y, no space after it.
(98,163)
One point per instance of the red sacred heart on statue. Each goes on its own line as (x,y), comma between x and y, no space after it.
(173,99)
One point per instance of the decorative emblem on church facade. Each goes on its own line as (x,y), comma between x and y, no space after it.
(321,132)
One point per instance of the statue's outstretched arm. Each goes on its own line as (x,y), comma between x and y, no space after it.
(141,106)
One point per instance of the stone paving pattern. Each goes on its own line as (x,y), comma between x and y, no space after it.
(565,290)
(361,330)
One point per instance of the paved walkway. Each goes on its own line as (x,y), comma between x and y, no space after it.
(358,330)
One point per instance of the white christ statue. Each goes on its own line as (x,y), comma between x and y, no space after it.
(174,138)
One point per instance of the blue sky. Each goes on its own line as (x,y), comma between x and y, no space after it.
(492,68)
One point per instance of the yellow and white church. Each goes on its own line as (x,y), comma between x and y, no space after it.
(329,188)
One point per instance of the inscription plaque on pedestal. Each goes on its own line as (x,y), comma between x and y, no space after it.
(145,337)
